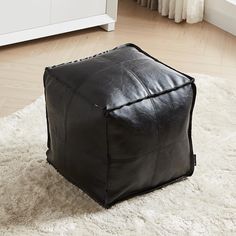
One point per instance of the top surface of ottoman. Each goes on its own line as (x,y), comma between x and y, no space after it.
(135,76)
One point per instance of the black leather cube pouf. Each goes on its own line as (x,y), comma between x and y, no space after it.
(119,123)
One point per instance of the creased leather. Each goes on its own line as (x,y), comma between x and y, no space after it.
(119,123)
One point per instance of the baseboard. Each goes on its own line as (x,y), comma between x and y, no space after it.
(222,15)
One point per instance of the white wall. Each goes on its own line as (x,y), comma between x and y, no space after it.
(221,13)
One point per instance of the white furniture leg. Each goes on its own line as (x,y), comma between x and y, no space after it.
(109,27)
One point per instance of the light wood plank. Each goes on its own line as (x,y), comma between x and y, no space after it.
(199,48)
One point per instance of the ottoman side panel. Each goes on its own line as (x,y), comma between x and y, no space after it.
(57,97)
(150,143)
(86,152)
(175,145)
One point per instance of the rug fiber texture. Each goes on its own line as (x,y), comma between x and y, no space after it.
(36,200)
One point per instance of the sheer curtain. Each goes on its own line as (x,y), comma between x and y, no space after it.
(189,10)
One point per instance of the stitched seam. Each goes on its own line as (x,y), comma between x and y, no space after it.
(118,160)
(191,80)
(73,90)
(103,69)
(192,158)
(142,84)
(83,59)
(48,128)
(145,88)
(147,190)
(78,184)
(154,107)
(65,119)
(148,97)
(156,113)
(126,104)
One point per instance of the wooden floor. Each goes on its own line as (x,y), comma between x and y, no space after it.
(198,48)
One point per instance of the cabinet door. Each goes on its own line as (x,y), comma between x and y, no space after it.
(16,15)
(66,10)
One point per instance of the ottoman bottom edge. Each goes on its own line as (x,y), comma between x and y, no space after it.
(78,185)
(146,190)
(108,204)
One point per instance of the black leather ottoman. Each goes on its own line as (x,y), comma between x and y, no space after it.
(119,123)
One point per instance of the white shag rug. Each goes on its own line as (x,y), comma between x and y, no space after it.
(36,200)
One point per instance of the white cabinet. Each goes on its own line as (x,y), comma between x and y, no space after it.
(16,15)
(22,20)
(64,10)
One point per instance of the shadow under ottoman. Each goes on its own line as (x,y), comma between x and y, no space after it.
(119,123)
